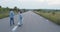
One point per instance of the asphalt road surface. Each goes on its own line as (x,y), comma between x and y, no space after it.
(31,23)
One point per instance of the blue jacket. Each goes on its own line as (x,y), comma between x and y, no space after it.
(11,14)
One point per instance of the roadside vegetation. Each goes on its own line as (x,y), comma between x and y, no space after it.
(54,16)
(4,12)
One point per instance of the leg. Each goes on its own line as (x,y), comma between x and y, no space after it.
(21,22)
(10,22)
(13,21)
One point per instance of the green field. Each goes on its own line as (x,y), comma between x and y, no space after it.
(4,12)
(3,15)
(53,16)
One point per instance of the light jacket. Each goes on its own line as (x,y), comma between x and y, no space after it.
(11,14)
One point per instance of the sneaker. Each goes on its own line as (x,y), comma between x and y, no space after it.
(19,25)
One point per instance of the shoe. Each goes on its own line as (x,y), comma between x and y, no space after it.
(19,25)
(13,23)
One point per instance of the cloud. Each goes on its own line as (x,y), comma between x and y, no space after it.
(49,2)
(9,3)
(53,2)
(30,3)
(31,0)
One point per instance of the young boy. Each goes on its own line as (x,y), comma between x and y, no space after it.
(11,17)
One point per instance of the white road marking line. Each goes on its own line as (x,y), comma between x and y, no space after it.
(14,28)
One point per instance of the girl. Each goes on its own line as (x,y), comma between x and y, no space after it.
(20,18)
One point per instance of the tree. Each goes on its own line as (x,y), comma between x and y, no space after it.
(39,10)
(53,13)
(7,8)
(15,9)
(0,9)
(49,11)
(0,6)
(24,10)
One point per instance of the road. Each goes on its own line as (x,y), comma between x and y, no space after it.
(31,23)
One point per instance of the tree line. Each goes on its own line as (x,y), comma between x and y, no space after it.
(2,9)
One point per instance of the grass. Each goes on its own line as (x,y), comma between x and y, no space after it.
(5,14)
(54,18)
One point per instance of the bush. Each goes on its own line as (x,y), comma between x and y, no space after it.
(58,21)
(53,13)
(49,11)
(49,16)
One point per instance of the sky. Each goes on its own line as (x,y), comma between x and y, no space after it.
(31,4)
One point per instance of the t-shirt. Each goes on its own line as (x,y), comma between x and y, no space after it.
(20,16)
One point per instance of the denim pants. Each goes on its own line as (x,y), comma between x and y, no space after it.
(20,21)
(11,21)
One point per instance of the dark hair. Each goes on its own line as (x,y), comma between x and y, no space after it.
(20,11)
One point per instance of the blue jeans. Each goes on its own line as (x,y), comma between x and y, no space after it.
(11,21)
(20,21)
